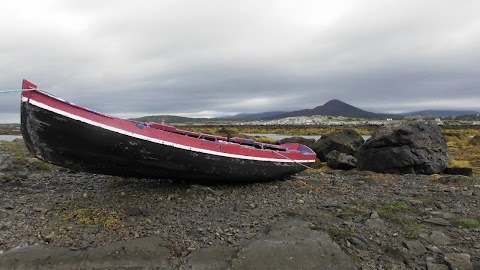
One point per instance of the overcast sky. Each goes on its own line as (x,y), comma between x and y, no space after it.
(214,58)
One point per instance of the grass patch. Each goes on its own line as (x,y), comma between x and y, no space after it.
(94,217)
(467,223)
(394,207)
(389,211)
(453,163)
(460,149)
(295,130)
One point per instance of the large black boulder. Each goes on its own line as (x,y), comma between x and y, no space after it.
(346,141)
(341,161)
(405,148)
(300,140)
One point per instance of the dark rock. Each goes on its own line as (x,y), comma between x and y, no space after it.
(210,258)
(458,261)
(300,140)
(341,161)
(346,141)
(404,148)
(455,179)
(149,252)
(292,244)
(459,171)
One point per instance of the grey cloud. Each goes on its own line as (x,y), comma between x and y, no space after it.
(147,57)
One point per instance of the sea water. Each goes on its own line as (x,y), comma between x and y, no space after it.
(9,137)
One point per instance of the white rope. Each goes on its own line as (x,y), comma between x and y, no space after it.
(18,90)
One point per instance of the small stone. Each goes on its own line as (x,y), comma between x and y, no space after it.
(434,249)
(252,206)
(49,237)
(172,196)
(123,194)
(375,223)
(85,195)
(301,201)
(374,215)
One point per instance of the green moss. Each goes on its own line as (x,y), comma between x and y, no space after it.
(6,178)
(42,166)
(453,163)
(94,217)
(467,223)
(394,207)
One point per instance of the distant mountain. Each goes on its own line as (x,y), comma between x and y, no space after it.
(334,108)
(255,115)
(440,113)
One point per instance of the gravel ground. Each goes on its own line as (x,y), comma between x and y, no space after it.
(380,221)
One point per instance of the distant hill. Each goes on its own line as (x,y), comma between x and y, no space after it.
(440,113)
(334,108)
(255,115)
(169,119)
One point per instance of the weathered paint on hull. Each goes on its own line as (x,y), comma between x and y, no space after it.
(79,146)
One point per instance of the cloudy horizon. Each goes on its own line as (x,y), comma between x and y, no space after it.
(216,58)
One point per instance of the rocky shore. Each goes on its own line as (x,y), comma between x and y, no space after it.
(55,218)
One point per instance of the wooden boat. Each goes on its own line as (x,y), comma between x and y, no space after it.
(74,137)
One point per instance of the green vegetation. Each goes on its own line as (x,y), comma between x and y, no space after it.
(394,206)
(297,130)
(393,211)
(94,217)
(462,153)
(467,223)
(452,163)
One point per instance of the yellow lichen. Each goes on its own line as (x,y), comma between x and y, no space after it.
(94,217)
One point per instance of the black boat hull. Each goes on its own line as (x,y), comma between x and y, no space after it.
(77,145)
